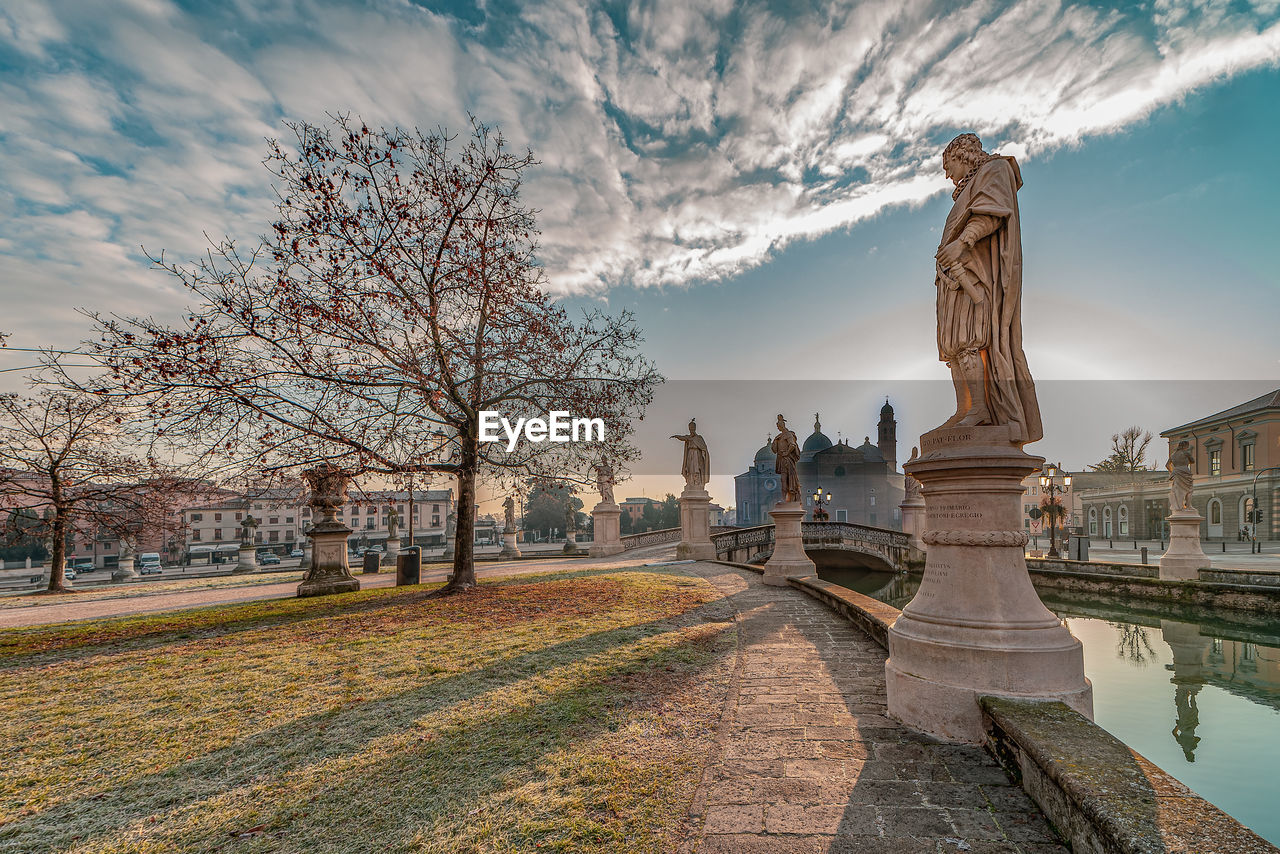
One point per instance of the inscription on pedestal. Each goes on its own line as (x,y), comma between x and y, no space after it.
(954,511)
(945,440)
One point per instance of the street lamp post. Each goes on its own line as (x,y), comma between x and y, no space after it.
(1049,483)
(821,499)
(1256,546)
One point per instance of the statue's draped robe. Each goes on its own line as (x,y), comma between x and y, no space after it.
(994,326)
(786,451)
(697,461)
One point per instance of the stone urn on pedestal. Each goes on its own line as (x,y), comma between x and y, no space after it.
(248,554)
(327,571)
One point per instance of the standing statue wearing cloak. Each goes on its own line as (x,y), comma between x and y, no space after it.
(979,282)
(696,466)
(786,449)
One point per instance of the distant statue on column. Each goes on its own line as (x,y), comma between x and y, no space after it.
(1180,477)
(786,450)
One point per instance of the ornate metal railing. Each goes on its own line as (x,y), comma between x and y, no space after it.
(891,544)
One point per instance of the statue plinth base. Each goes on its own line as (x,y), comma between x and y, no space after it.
(606,526)
(1185,556)
(328,572)
(393,552)
(447,554)
(788,556)
(913,525)
(509,546)
(124,570)
(695,526)
(248,560)
(976,625)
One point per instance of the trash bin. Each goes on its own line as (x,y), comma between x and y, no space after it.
(371,563)
(1078,548)
(409,566)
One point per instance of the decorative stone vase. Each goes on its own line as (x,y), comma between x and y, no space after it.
(695,526)
(976,625)
(327,571)
(788,556)
(606,526)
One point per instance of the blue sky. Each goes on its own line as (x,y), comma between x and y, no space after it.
(760,182)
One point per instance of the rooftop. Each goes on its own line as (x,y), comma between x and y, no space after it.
(1268,401)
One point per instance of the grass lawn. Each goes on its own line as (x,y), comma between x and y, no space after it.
(565,712)
(146,588)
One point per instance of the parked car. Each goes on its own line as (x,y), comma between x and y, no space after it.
(296,553)
(81,566)
(69,574)
(149,563)
(269,560)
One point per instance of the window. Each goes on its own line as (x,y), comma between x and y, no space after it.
(369,524)
(257,536)
(237,517)
(288,535)
(842,515)
(1215,512)
(1248,652)
(1246,457)
(306,512)
(435,521)
(275,536)
(288,520)
(1124,521)
(1215,462)
(217,533)
(217,517)
(370,510)
(435,508)
(195,535)
(196,517)
(257,507)
(273,520)
(873,519)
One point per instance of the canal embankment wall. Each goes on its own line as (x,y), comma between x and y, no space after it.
(1101,796)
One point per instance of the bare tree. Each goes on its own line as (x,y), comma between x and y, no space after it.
(60,454)
(1128,451)
(397,297)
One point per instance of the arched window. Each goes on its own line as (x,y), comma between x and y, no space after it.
(1093,521)
(1215,512)
(1124,521)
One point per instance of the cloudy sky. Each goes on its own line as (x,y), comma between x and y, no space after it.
(759,181)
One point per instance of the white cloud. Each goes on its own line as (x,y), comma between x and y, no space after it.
(680,142)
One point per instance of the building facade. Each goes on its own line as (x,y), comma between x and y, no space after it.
(864,482)
(1236,462)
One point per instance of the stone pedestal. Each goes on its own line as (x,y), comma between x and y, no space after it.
(695,526)
(393,551)
(976,625)
(788,556)
(913,524)
(606,525)
(510,548)
(124,569)
(1185,556)
(248,561)
(328,571)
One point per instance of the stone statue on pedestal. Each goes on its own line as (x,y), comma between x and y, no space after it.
(605,481)
(979,284)
(509,514)
(1180,477)
(787,450)
(913,487)
(393,523)
(696,467)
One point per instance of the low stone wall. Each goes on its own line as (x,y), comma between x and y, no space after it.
(871,615)
(1217,588)
(1100,795)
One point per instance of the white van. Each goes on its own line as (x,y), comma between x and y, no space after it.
(149,563)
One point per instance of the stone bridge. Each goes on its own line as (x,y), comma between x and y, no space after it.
(827,543)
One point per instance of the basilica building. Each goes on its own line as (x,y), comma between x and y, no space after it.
(864,482)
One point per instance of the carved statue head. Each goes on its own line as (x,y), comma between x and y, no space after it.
(782,422)
(915,452)
(962,154)
(693,426)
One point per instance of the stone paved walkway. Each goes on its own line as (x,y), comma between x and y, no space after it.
(808,762)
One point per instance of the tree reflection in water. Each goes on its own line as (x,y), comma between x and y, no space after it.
(1133,645)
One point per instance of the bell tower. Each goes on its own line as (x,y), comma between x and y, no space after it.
(888,436)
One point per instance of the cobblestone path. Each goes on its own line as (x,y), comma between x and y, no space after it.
(808,762)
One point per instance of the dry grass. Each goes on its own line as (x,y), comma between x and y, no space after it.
(555,713)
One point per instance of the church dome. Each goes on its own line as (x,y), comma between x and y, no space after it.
(870,453)
(765,457)
(817,441)
(886,411)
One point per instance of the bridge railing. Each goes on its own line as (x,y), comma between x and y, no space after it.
(743,542)
(650,538)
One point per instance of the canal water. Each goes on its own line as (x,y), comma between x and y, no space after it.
(1197,692)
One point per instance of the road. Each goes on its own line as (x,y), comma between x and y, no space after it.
(144,603)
